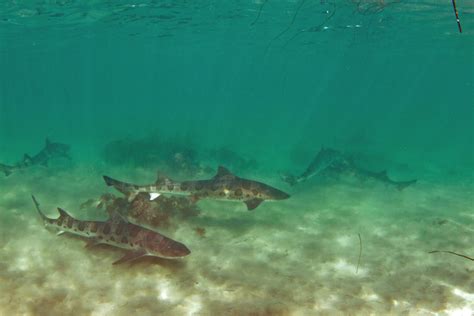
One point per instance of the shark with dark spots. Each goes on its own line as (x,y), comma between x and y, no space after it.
(50,151)
(223,186)
(118,232)
(333,160)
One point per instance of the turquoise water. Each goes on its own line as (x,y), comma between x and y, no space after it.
(260,87)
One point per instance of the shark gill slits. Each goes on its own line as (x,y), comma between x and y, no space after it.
(106,229)
(170,187)
(81,226)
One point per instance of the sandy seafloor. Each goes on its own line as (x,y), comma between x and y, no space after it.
(292,257)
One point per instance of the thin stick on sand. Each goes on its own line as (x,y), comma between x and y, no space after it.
(453,253)
(360,252)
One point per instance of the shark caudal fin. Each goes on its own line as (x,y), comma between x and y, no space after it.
(111,182)
(38,209)
(126,188)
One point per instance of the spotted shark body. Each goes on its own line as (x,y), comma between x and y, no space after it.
(137,240)
(51,150)
(223,186)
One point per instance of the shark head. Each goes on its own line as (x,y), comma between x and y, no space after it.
(164,247)
(267,192)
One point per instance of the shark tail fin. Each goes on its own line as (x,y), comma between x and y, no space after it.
(37,205)
(124,187)
(111,182)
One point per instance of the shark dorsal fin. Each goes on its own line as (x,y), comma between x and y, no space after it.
(161,178)
(116,217)
(223,172)
(63,213)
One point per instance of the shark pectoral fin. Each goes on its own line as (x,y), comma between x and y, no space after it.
(130,256)
(132,196)
(154,196)
(253,203)
(92,242)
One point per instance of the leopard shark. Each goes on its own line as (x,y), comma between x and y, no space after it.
(223,186)
(324,158)
(51,150)
(118,232)
(331,159)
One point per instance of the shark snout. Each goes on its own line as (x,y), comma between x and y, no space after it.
(279,195)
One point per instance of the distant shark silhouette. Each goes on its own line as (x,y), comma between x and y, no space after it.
(50,150)
(328,158)
(223,186)
(325,158)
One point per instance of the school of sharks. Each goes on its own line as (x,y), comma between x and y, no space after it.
(139,241)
